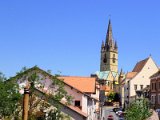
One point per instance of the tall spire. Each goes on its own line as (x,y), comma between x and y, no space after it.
(109,39)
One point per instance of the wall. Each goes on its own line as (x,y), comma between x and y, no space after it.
(142,78)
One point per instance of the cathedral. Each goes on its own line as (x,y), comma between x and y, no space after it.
(109,52)
(109,61)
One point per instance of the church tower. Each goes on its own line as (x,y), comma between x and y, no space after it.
(109,52)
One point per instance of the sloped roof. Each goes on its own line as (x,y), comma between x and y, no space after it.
(76,109)
(104,74)
(130,75)
(67,80)
(140,65)
(84,84)
(114,74)
(156,74)
(105,88)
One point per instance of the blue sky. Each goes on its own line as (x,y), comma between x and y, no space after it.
(66,35)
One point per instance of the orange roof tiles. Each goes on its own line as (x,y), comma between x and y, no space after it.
(140,65)
(83,84)
(130,75)
(105,88)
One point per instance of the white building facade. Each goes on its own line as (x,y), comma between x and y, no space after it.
(84,104)
(138,79)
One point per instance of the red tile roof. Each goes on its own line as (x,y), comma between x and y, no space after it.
(105,88)
(83,84)
(130,75)
(140,65)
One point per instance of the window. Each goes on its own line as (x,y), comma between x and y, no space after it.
(152,86)
(141,87)
(153,99)
(114,60)
(159,85)
(155,86)
(159,99)
(135,87)
(148,86)
(77,103)
(105,59)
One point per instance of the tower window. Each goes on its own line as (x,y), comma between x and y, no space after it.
(105,59)
(113,60)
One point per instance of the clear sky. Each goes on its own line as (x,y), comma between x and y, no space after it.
(66,35)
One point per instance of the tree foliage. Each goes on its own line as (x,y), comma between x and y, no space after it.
(38,107)
(112,96)
(138,110)
(9,97)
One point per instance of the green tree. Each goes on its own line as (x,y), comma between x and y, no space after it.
(9,98)
(138,110)
(111,96)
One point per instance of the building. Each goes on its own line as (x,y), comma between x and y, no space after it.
(155,90)
(109,52)
(84,90)
(138,79)
(109,61)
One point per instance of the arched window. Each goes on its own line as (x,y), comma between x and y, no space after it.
(114,60)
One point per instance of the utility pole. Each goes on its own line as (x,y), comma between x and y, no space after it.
(25,103)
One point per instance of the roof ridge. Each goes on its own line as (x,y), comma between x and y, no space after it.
(139,65)
(78,76)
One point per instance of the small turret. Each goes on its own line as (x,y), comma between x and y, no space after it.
(115,45)
(102,47)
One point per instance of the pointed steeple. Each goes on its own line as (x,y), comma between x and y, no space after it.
(102,44)
(109,39)
(115,45)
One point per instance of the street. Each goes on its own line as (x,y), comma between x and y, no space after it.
(108,111)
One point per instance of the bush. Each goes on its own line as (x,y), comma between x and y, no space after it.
(138,110)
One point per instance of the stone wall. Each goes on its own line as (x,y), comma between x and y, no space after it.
(154,116)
